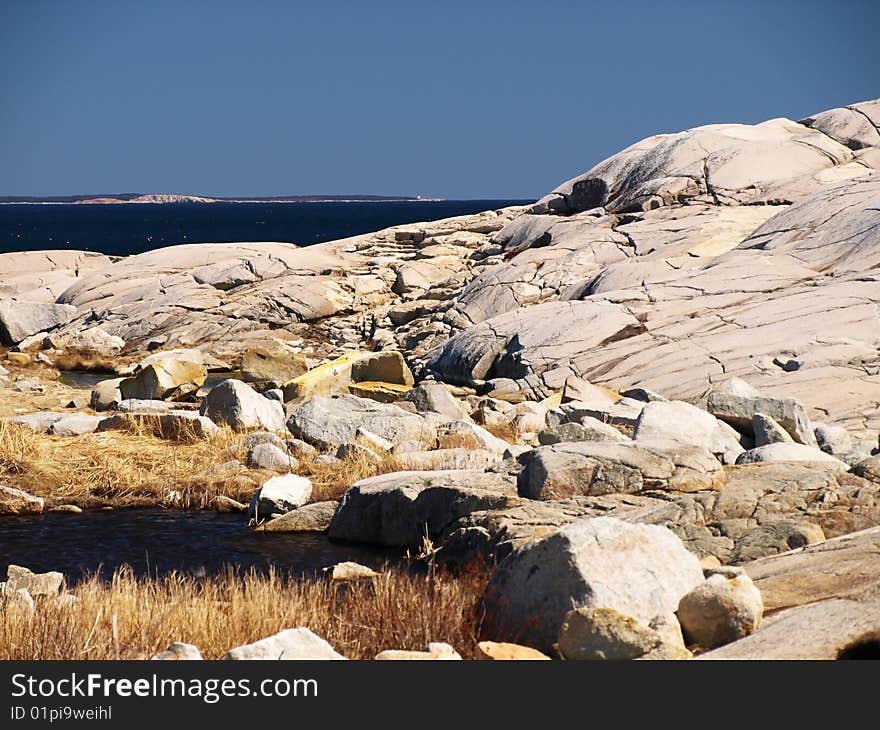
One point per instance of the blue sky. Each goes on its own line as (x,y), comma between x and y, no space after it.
(454,99)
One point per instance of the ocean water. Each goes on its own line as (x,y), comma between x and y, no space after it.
(126,229)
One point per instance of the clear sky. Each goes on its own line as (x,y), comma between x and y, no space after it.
(477,99)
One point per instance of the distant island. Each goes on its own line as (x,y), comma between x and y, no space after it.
(173,198)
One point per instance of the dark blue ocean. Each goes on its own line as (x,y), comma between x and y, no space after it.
(126,229)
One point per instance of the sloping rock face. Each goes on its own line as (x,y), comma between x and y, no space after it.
(688,258)
(41,276)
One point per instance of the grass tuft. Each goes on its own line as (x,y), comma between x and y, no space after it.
(134,618)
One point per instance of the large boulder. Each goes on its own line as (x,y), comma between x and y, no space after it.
(682,422)
(402,508)
(19,320)
(313,517)
(107,394)
(170,377)
(279,495)
(328,422)
(639,570)
(297,643)
(239,406)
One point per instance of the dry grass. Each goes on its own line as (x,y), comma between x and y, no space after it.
(138,468)
(130,618)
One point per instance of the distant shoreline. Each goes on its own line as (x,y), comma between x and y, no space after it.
(163,198)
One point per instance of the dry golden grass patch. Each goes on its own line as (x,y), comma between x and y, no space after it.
(131,618)
(138,468)
(116,468)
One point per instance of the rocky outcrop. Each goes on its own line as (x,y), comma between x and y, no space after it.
(402,508)
(328,422)
(592,468)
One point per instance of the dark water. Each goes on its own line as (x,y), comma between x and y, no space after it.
(125,229)
(159,541)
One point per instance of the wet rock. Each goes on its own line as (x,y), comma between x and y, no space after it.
(314,517)
(223,503)
(402,507)
(238,405)
(16,502)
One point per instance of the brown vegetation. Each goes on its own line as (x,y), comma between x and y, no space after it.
(137,468)
(131,618)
